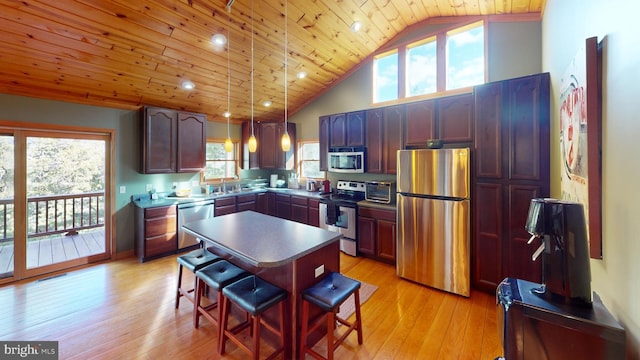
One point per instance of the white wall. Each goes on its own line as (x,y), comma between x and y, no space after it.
(566,24)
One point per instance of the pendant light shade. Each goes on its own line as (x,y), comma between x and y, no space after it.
(228,145)
(286,141)
(253,143)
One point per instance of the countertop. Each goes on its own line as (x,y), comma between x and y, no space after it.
(144,201)
(268,242)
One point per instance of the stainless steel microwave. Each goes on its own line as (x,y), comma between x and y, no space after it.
(349,160)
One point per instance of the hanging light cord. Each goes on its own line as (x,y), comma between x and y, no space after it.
(228,71)
(252,67)
(286,37)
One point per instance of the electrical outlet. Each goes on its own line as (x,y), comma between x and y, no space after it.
(320,270)
(175,185)
(123,189)
(149,187)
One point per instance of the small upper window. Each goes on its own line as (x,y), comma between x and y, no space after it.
(465,57)
(385,77)
(309,158)
(422,68)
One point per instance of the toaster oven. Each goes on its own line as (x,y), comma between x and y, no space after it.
(379,191)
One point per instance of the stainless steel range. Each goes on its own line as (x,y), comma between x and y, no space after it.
(339,213)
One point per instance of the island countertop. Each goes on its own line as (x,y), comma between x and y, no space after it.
(261,240)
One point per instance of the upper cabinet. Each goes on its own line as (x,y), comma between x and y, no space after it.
(269,154)
(340,130)
(323,136)
(383,138)
(449,119)
(172,141)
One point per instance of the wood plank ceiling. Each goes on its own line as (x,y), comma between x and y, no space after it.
(126,54)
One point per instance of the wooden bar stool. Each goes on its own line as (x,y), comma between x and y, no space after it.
(193,261)
(254,296)
(328,295)
(217,276)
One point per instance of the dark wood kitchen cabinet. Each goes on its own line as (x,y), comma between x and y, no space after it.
(377,233)
(299,209)
(455,119)
(420,123)
(511,166)
(224,206)
(172,141)
(250,160)
(323,136)
(262,203)
(283,206)
(156,232)
(246,202)
(271,155)
(340,130)
(384,138)
(313,212)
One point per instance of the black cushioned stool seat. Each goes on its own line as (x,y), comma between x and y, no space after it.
(192,261)
(217,276)
(328,294)
(254,296)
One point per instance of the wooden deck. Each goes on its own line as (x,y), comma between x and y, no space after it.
(55,248)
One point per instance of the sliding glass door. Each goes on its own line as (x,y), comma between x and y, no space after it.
(53,206)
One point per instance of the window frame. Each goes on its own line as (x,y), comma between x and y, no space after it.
(236,160)
(300,160)
(441,41)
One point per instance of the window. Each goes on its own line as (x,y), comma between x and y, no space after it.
(422,68)
(219,163)
(385,78)
(447,60)
(309,160)
(465,57)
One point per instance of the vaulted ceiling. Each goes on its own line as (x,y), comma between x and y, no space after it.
(126,54)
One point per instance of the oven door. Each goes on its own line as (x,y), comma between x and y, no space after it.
(345,220)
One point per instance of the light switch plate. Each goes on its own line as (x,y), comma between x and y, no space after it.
(123,189)
(320,270)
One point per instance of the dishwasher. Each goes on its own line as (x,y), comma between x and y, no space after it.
(192,211)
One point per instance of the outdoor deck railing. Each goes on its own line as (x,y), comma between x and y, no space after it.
(48,215)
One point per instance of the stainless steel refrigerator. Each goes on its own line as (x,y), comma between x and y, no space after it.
(433,241)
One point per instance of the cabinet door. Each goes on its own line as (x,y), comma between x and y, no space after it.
(528,127)
(314,212)
(192,138)
(338,137)
(299,213)
(488,236)
(393,118)
(355,129)
(250,160)
(283,206)
(519,253)
(246,202)
(366,235)
(323,134)
(272,204)
(455,118)
(269,147)
(159,142)
(419,124)
(262,203)
(374,136)
(488,130)
(386,246)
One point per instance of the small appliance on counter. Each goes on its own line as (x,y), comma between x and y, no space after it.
(382,192)
(346,160)
(325,187)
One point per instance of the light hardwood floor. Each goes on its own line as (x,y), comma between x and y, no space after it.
(125,310)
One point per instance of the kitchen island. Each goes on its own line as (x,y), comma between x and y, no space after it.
(288,254)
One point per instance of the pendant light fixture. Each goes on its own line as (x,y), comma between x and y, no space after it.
(253,143)
(286,140)
(228,144)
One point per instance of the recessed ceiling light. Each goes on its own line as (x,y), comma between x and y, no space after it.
(267,103)
(226,114)
(219,39)
(188,85)
(302,74)
(356,26)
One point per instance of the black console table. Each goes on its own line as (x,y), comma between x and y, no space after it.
(531,327)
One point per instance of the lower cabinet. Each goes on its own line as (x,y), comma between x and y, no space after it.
(299,209)
(225,206)
(377,233)
(283,206)
(313,212)
(246,202)
(262,203)
(156,231)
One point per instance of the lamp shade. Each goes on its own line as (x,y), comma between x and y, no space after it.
(286,142)
(228,145)
(253,144)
